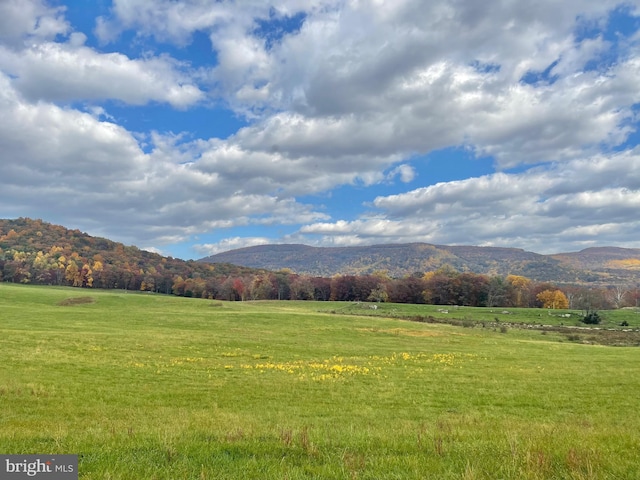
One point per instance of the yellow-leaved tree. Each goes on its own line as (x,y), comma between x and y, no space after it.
(554,299)
(520,287)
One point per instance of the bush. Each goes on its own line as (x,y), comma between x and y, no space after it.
(592,318)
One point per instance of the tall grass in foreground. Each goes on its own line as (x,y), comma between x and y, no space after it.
(152,387)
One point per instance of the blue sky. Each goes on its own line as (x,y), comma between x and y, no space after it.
(194,127)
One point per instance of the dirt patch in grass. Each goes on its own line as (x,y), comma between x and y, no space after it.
(400,331)
(67,302)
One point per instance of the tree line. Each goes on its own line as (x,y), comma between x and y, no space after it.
(441,287)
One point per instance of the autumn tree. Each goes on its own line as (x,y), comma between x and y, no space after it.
(98,269)
(261,287)
(409,289)
(617,295)
(471,289)
(226,291)
(343,288)
(86,276)
(498,292)
(379,294)
(634,297)
(301,288)
(364,285)
(439,286)
(282,283)
(72,274)
(195,287)
(553,299)
(321,288)
(590,298)
(18,269)
(178,286)
(240,288)
(520,287)
(61,269)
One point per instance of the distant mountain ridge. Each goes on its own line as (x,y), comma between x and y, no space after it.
(599,258)
(599,264)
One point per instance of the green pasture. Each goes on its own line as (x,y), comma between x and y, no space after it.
(144,386)
(611,319)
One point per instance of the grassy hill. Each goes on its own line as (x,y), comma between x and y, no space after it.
(157,387)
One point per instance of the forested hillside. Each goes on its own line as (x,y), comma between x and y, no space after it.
(614,262)
(403,259)
(33,251)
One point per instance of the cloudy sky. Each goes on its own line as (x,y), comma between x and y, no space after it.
(197,126)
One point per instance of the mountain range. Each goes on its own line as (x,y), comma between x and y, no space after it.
(607,265)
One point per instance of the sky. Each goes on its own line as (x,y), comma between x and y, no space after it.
(194,127)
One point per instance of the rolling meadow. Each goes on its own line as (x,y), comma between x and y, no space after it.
(146,386)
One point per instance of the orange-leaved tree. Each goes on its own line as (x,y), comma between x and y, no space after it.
(554,299)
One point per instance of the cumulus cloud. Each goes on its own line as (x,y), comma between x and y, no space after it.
(67,72)
(70,165)
(405,172)
(30,20)
(64,73)
(356,57)
(48,61)
(349,93)
(411,77)
(539,209)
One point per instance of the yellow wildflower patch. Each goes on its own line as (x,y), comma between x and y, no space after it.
(326,370)
(337,368)
(334,368)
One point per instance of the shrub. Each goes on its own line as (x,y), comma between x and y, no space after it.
(592,318)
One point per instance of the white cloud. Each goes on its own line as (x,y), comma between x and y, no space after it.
(30,20)
(48,61)
(539,209)
(390,80)
(405,172)
(349,97)
(58,72)
(70,165)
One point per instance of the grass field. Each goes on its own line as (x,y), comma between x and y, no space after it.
(155,387)
(611,319)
